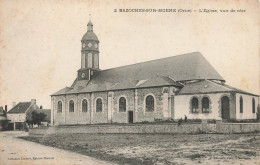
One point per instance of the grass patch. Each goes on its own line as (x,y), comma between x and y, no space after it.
(158,148)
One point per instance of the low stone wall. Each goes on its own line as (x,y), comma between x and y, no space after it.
(237,127)
(150,128)
(135,128)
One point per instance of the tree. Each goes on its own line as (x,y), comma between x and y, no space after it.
(35,118)
(28,120)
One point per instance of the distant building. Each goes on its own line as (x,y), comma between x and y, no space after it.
(17,115)
(167,88)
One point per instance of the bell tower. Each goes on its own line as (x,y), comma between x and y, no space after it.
(89,54)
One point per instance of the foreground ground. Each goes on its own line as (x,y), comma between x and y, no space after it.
(161,148)
(15,151)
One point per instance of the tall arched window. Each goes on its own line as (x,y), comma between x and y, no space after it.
(241,104)
(194,105)
(149,103)
(96,61)
(59,107)
(122,104)
(253,105)
(83,60)
(99,105)
(84,105)
(205,105)
(90,60)
(71,106)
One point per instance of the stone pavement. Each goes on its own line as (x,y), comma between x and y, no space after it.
(17,151)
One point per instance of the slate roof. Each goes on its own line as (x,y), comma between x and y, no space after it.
(63,91)
(47,112)
(161,72)
(207,86)
(127,84)
(189,66)
(90,36)
(20,107)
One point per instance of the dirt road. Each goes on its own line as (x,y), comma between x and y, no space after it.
(18,151)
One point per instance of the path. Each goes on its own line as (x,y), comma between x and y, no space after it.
(18,151)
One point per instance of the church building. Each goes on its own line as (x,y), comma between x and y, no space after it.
(163,89)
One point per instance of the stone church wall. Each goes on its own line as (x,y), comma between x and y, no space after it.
(99,117)
(58,118)
(182,107)
(141,115)
(71,117)
(84,117)
(122,117)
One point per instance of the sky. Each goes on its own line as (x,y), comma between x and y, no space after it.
(40,41)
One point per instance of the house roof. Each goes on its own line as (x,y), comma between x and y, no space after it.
(208,86)
(47,112)
(161,72)
(20,107)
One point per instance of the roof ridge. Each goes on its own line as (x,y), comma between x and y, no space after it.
(219,84)
(28,108)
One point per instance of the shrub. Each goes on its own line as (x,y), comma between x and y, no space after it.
(211,121)
(242,121)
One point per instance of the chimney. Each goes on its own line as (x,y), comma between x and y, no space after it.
(33,101)
(5,108)
(14,104)
(40,106)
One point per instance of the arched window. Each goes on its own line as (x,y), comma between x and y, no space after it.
(194,105)
(96,61)
(83,60)
(71,106)
(122,104)
(149,103)
(205,105)
(84,105)
(253,105)
(99,105)
(59,107)
(90,60)
(241,104)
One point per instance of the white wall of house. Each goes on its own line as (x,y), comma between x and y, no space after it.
(19,117)
(247,106)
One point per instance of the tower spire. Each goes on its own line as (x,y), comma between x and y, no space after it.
(90,25)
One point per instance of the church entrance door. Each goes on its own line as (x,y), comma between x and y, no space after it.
(225,107)
(130,117)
